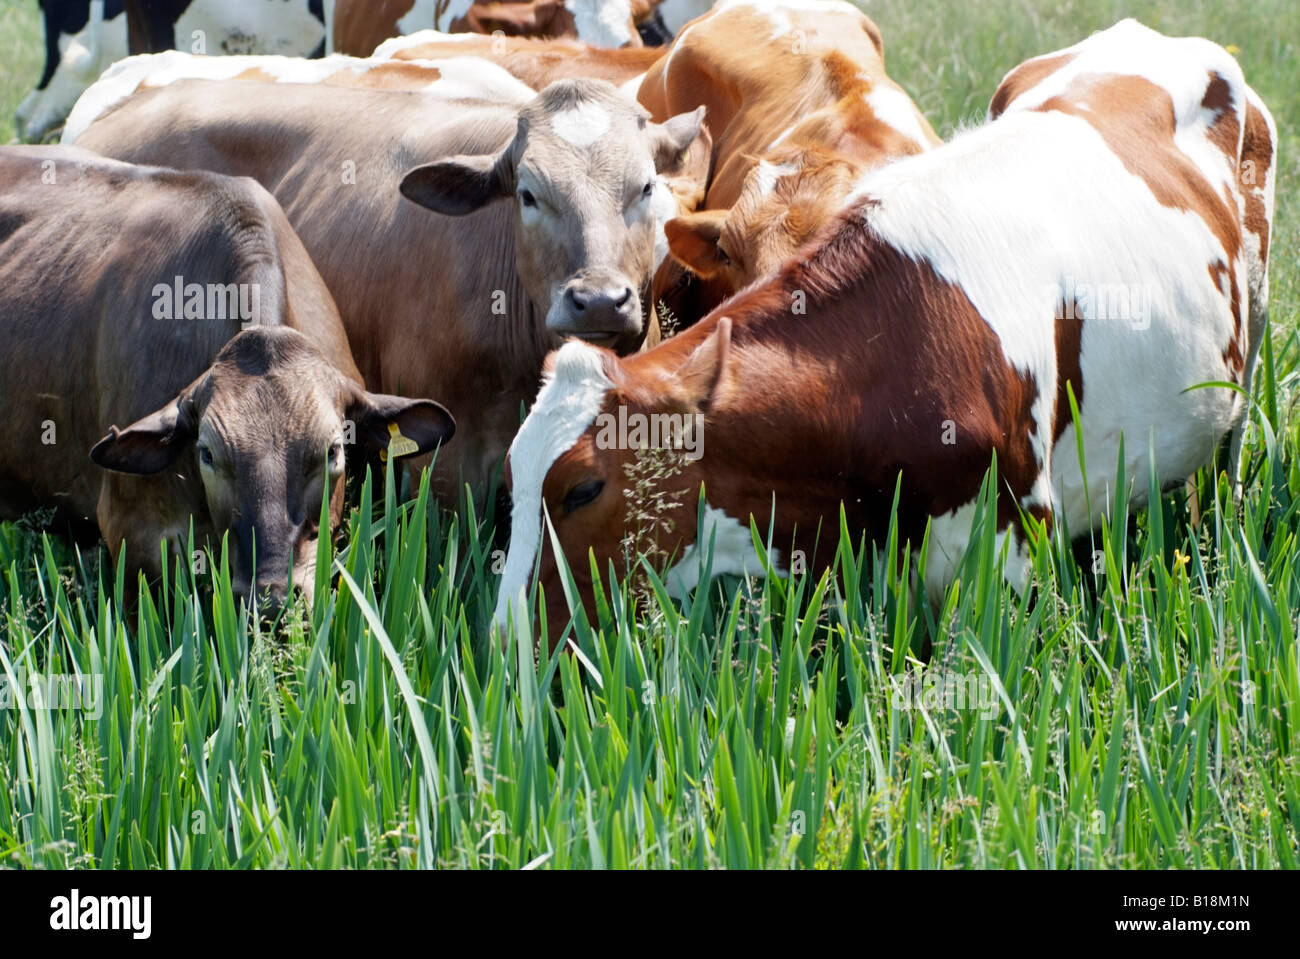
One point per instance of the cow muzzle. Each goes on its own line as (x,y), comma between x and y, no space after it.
(600,310)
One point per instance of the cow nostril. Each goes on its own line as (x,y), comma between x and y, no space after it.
(576,301)
(623,300)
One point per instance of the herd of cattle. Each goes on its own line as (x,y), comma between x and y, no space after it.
(270,267)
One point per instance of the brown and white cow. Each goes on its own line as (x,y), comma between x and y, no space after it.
(458,78)
(461,240)
(1107,234)
(799,104)
(535,62)
(183,308)
(359,26)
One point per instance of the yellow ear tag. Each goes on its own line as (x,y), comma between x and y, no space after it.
(398,445)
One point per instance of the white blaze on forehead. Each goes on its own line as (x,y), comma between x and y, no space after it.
(566,406)
(583,125)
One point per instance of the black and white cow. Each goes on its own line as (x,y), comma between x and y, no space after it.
(82,37)
(294,28)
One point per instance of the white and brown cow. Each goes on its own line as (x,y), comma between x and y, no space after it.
(536,62)
(799,106)
(461,240)
(359,26)
(1106,233)
(181,307)
(458,78)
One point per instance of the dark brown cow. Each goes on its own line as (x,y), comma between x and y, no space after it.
(528,224)
(123,291)
(1086,241)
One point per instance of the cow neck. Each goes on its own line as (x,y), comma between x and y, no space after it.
(788,418)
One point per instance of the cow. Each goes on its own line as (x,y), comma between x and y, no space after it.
(799,105)
(458,78)
(535,62)
(462,241)
(285,27)
(170,327)
(82,37)
(1102,242)
(359,26)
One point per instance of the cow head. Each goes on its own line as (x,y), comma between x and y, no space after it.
(583,175)
(265,428)
(579,467)
(786,199)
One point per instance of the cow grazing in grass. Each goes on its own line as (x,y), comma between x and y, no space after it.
(1105,235)
(462,241)
(799,106)
(170,327)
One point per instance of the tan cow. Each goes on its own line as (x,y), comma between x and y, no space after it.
(183,308)
(799,104)
(461,240)
(1105,236)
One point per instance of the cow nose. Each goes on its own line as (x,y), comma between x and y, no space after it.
(267,601)
(599,313)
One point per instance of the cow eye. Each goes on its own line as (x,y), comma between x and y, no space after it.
(205,455)
(526,198)
(649,188)
(582,494)
(725,258)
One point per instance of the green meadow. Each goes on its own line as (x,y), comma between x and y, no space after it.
(1140,710)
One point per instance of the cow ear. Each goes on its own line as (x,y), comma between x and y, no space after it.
(457,185)
(688,179)
(670,140)
(701,374)
(398,425)
(150,444)
(693,241)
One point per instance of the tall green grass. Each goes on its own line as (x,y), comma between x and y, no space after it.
(1141,716)
(22,57)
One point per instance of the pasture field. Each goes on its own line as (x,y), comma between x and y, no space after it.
(1140,711)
